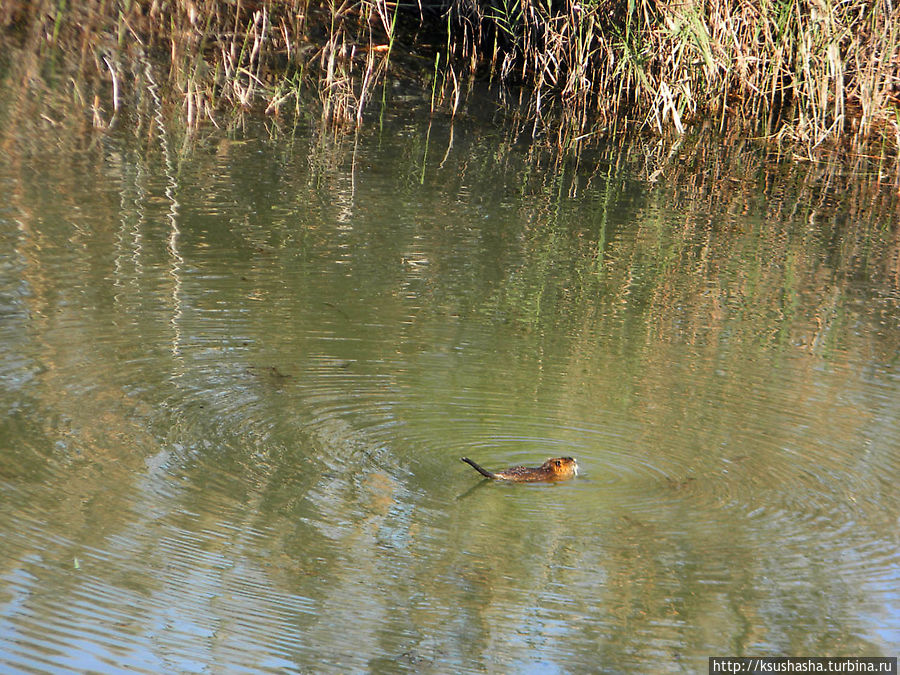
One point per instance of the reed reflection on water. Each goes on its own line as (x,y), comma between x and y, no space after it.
(237,382)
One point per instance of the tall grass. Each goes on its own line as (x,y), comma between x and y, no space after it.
(812,71)
(808,73)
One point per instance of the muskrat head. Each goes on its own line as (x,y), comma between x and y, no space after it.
(563,467)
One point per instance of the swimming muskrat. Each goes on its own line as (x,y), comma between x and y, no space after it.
(555,468)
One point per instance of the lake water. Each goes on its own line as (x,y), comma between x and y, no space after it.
(237,374)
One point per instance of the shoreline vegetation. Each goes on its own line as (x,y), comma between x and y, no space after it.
(806,76)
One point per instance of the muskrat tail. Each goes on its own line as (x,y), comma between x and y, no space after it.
(484,472)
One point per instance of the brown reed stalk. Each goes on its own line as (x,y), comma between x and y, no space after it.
(815,73)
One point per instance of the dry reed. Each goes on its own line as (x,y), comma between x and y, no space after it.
(809,73)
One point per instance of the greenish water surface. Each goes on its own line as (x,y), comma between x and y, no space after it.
(237,375)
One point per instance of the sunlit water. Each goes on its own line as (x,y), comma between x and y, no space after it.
(238,375)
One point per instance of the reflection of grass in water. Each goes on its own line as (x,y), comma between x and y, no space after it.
(648,268)
(704,267)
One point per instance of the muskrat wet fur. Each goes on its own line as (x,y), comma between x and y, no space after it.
(555,468)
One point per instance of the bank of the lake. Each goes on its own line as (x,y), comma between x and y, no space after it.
(808,76)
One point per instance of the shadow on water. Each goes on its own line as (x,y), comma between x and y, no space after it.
(237,380)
